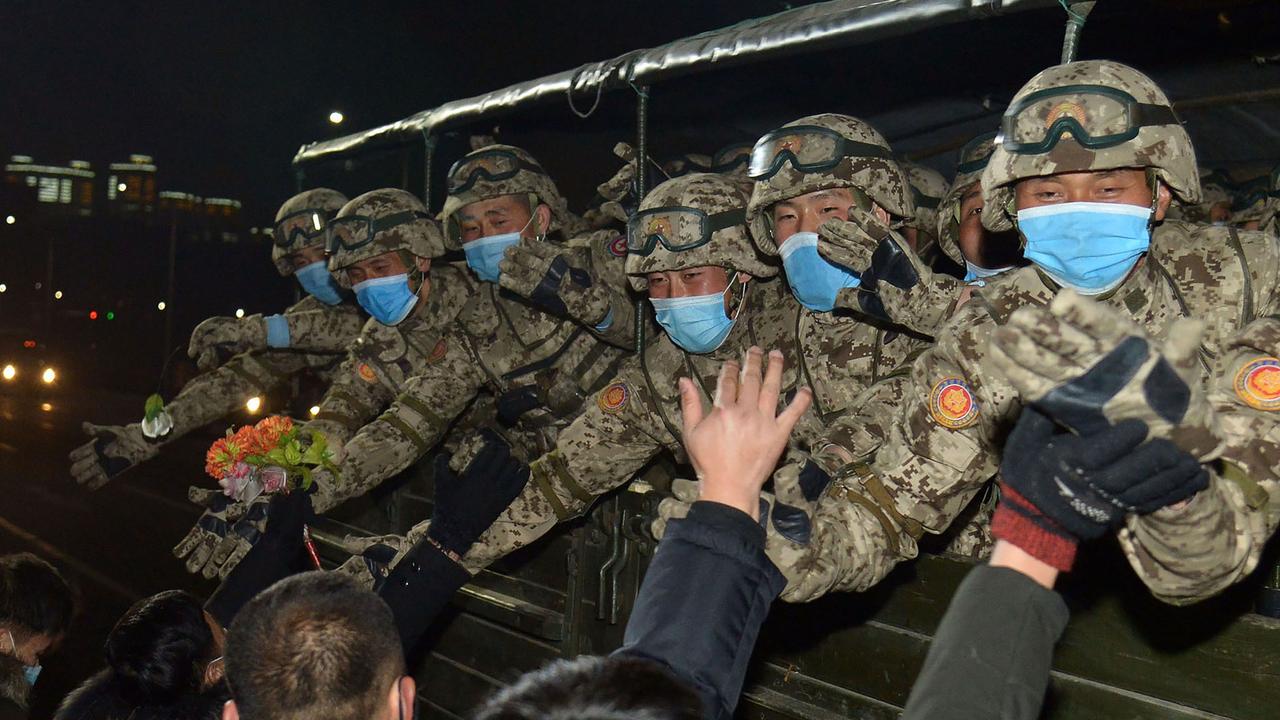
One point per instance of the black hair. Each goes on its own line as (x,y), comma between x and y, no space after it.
(159,649)
(315,646)
(596,688)
(34,597)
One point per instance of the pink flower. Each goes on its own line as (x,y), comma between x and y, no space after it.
(237,477)
(274,479)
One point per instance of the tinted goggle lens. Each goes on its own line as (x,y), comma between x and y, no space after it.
(805,149)
(1096,117)
(976,153)
(302,226)
(676,228)
(491,166)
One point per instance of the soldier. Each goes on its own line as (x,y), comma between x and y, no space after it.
(927,190)
(688,248)
(538,366)
(1090,157)
(311,335)
(1262,209)
(1214,207)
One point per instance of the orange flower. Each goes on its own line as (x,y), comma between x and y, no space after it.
(271,428)
(224,453)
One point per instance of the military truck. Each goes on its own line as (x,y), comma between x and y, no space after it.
(930,74)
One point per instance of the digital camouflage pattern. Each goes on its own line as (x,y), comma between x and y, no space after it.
(729,247)
(537,184)
(421,238)
(324,201)
(916,455)
(215,394)
(522,356)
(319,330)
(928,187)
(383,358)
(1214,196)
(881,179)
(1165,149)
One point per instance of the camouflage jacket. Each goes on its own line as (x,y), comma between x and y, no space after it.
(323,334)
(922,449)
(603,255)
(383,358)
(638,414)
(499,343)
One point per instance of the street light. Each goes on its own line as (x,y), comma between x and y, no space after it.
(253,404)
(239,312)
(336,117)
(3,287)
(160,306)
(122,187)
(9,219)
(57,295)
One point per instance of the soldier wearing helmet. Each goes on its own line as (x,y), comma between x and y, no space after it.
(538,366)
(1089,157)
(311,335)
(1261,207)
(927,189)
(715,296)
(384,246)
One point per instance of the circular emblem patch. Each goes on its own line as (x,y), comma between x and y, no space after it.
(618,246)
(613,398)
(438,352)
(952,405)
(1258,384)
(366,373)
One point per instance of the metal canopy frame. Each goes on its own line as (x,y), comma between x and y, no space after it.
(838,23)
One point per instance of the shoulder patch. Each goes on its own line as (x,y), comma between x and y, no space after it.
(614,398)
(1258,384)
(439,351)
(617,247)
(952,404)
(366,373)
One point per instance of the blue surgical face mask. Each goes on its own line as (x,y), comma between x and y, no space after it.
(31,673)
(977,272)
(318,283)
(1089,247)
(696,323)
(388,299)
(813,280)
(483,255)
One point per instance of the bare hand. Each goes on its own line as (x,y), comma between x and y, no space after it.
(735,447)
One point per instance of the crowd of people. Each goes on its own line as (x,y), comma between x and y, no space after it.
(1072,319)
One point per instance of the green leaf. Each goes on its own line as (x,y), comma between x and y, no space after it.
(277,456)
(154,406)
(292,454)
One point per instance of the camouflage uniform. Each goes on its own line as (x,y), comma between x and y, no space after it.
(538,367)
(319,335)
(1263,207)
(944,442)
(928,187)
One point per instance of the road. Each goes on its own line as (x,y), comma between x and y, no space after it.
(114,544)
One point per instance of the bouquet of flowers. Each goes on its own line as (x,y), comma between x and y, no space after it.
(268,457)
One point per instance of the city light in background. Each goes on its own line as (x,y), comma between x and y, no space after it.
(336,117)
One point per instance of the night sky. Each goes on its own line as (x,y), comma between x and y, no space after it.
(223,93)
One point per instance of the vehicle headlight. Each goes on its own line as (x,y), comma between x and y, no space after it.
(10,372)
(48,376)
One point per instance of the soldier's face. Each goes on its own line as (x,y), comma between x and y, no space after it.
(806,213)
(980,247)
(501,215)
(306,256)
(1125,186)
(703,280)
(384,265)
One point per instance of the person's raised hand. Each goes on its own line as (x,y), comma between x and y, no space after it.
(735,447)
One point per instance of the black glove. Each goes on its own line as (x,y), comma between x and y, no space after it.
(889,263)
(797,490)
(1088,483)
(272,558)
(466,505)
(516,402)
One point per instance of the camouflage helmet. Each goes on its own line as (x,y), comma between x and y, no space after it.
(692,221)
(494,171)
(973,160)
(820,152)
(301,223)
(928,187)
(379,222)
(1085,116)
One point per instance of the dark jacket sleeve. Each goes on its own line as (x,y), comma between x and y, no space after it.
(992,653)
(704,631)
(275,556)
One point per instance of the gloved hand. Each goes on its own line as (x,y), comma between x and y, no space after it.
(1059,486)
(373,557)
(1088,366)
(241,536)
(541,272)
(868,246)
(114,449)
(514,403)
(467,504)
(217,338)
(798,485)
(210,529)
(684,493)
